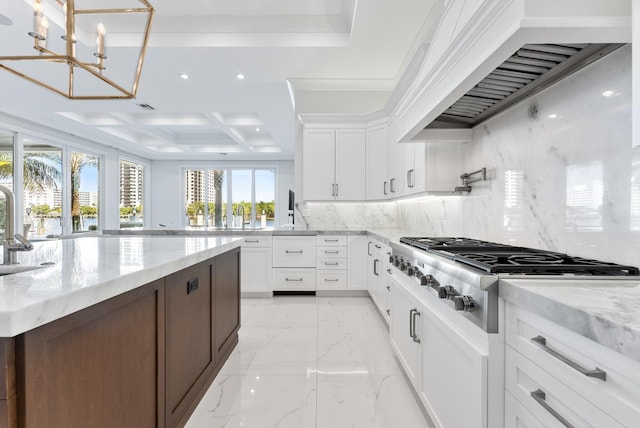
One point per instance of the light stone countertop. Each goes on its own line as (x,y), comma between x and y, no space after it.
(605,311)
(198,231)
(89,270)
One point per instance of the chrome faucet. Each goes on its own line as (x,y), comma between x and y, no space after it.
(13,242)
(241,209)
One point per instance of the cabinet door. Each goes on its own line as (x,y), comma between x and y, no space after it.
(395,169)
(453,371)
(357,262)
(101,367)
(444,166)
(189,339)
(405,332)
(256,266)
(318,164)
(377,186)
(226,284)
(350,165)
(419,169)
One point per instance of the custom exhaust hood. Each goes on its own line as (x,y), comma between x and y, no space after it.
(531,69)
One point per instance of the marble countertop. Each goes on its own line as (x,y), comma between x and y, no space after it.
(605,311)
(191,231)
(89,270)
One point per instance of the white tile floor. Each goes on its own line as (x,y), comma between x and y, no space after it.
(310,362)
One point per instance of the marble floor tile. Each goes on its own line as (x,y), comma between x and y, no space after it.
(274,350)
(251,401)
(280,311)
(353,311)
(367,401)
(356,349)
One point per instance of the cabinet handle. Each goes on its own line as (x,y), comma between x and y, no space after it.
(540,397)
(331,240)
(412,324)
(389,272)
(293,251)
(293,279)
(388,311)
(337,189)
(330,280)
(369,248)
(392,185)
(597,373)
(331,252)
(375,267)
(252,240)
(377,246)
(388,287)
(412,177)
(385,188)
(331,264)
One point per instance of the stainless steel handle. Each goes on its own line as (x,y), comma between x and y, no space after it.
(331,264)
(377,246)
(252,240)
(540,397)
(375,267)
(293,279)
(385,188)
(369,248)
(408,178)
(333,189)
(337,189)
(294,252)
(413,178)
(388,287)
(415,336)
(596,373)
(392,185)
(389,272)
(331,252)
(388,311)
(330,280)
(331,240)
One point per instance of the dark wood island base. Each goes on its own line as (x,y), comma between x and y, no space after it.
(141,359)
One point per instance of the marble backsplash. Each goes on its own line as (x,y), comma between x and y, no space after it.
(563,175)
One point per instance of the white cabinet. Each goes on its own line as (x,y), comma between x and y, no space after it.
(294,261)
(333,164)
(357,262)
(406,331)
(558,375)
(377,277)
(414,168)
(256,264)
(376,163)
(331,262)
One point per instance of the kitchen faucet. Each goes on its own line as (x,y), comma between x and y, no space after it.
(11,247)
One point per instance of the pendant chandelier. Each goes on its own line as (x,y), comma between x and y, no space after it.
(70,44)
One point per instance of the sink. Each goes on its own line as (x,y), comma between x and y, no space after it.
(11,269)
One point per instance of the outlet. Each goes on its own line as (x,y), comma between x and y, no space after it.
(192,285)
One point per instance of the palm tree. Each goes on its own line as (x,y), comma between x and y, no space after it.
(218,178)
(41,170)
(78,162)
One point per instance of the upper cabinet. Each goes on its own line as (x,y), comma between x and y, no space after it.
(377,186)
(333,164)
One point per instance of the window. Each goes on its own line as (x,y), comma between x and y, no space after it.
(131,194)
(85,173)
(230,197)
(42,190)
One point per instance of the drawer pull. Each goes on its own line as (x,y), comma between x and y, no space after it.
(389,272)
(540,397)
(388,287)
(331,252)
(330,240)
(293,252)
(377,246)
(331,264)
(254,241)
(597,373)
(293,279)
(330,280)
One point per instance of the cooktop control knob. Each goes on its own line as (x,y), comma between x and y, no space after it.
(409,270)
(390,258)
(396,261)
(464,303)
(447,292)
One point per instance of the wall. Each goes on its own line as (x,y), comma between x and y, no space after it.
(565,184)
(167,193)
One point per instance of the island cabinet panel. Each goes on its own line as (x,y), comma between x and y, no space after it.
(227,302)
(190,353)
(8,408)
(99,367)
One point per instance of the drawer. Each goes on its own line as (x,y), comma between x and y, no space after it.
(294,279)
(294,251)
(331,280)
(324,263)
(256,241)
(554,401)
(332,240)
(560,351)
(516,416)
(331,252)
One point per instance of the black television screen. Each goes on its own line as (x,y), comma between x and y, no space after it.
(291,200)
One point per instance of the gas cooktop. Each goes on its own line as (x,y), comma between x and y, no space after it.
(497,258)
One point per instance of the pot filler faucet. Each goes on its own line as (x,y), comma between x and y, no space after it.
(13,242)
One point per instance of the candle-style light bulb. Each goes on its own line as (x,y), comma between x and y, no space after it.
(44,28)
(37,17)
(100,40)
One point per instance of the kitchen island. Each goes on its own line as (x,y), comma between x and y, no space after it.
(118,331)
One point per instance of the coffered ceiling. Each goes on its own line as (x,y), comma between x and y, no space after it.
(297,57)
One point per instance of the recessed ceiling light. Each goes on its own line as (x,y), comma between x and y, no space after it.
(5,20)
(257,129)
(222,154)
(239,76)
(553,116)
(609,93)
(183,76)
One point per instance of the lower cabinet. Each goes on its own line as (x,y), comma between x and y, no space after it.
(257,262)
(141,359)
